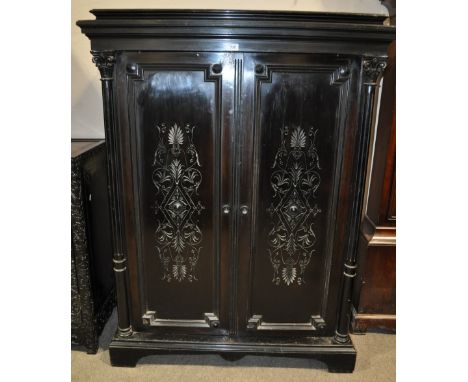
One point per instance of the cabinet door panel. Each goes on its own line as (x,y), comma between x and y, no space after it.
(176,128)
(299,112)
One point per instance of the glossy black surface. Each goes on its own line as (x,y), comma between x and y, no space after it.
(178,110)
(180,101)
(269,186)
(299,104)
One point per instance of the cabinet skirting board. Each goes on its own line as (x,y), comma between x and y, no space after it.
(339,358)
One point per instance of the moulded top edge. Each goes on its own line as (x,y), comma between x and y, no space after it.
(334,17)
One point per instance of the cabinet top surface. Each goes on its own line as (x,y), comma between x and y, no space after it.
(240,24)
(338,17)
(236,30)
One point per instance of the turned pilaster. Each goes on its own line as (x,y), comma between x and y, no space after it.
(105,61)
(372,68)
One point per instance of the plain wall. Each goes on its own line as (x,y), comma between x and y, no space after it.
(86,102)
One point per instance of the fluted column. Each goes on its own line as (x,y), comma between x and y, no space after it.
(372,68)
(105,61)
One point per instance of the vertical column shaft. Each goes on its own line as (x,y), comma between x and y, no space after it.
(372,68)
(105,61)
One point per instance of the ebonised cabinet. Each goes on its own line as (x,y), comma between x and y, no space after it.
(92,279)
(237,144)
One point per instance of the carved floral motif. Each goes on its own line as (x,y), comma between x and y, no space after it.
(176,177)
(294,181)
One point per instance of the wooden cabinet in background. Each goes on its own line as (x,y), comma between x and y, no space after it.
(374,296)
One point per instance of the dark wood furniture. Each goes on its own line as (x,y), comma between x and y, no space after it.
(374,296)
(92,279)
(237,149)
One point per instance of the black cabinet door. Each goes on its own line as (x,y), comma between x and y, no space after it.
(296,109)
(175,118)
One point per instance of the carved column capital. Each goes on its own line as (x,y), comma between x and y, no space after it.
(372,68)
(105,61)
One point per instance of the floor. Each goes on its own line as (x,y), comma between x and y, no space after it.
(375,363)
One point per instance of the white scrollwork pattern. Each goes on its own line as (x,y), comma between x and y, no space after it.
(177,177)
(295,181)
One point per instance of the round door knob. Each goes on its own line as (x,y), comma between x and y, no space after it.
(217,68)
(344,71)
(131,68)
(226,209)
(293,208)
(244,210)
